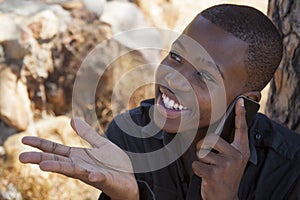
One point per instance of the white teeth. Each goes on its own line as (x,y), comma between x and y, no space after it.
(176,106)
(170,103)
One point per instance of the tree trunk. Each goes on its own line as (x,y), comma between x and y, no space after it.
(283,103)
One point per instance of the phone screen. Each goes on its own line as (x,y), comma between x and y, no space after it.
(226,127)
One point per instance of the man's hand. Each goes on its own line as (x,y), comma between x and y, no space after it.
(222,172)
(105,166)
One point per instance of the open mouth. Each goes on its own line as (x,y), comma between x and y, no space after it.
(171,103)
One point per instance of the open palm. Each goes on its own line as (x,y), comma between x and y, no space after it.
(104,166)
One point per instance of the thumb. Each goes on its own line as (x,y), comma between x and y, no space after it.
(241,141)
(87,133)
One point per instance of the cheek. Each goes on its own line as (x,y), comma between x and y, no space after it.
(232,92)
(212,107)
(204,119)
(235,83)
(205,111)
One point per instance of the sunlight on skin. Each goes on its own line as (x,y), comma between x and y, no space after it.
(99,166)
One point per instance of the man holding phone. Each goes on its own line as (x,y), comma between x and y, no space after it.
(226,51)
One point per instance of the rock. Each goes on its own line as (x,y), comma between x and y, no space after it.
(10,192)
(28,36)
(15,107)
(28,179)
(132,30)
(64,17)
(95,6)
(13,50)
(12,38)
(38,64)
(70,5)
(56,97)
(24,8)
(31,41)
(44,25)
(122,0)
(5,132)
(68,52)
(116,14)
(2,155)
(9,30)
(176,14)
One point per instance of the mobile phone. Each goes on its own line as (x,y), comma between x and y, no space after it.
(226,127)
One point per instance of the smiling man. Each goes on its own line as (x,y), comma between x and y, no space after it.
(226,51)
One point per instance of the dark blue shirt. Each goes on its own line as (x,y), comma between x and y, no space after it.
(273,170)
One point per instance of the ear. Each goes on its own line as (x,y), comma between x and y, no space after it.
(254,95)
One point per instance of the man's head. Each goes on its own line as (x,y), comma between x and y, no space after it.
(253,27)
(227,50)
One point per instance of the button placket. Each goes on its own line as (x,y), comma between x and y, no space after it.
(258,137)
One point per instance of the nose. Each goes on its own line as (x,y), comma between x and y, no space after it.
(177,81)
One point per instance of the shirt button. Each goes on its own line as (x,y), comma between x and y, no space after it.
(258,136)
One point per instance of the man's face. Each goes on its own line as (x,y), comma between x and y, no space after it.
(199,78)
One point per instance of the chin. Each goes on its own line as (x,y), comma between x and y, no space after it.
(169,128)
(172,126)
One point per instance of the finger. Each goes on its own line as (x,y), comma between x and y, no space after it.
(208,157)
(87,133)
(37,157)
(213,141)
(201,169)
(66,168)
(46,145)
(207,142)
(240,142)
(201,153)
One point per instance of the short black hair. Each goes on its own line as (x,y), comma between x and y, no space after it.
(257,30)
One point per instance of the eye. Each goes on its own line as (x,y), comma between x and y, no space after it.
(175,56)
(205,76)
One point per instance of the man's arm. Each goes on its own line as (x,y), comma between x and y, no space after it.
(104,166)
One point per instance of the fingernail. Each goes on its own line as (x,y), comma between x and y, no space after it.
(203,152)
(242,102)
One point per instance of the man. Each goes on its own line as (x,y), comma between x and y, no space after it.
(226,51)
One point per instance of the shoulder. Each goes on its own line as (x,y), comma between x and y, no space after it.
(130,130)
(276,136)
(136,117)
(278,157)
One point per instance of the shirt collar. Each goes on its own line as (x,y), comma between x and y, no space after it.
(151,130)
(253,153)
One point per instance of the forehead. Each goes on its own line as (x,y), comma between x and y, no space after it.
(226,50)
(215,40)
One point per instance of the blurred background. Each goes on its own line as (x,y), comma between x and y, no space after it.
(42,45)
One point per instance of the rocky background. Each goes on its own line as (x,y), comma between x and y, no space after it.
(42,46)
